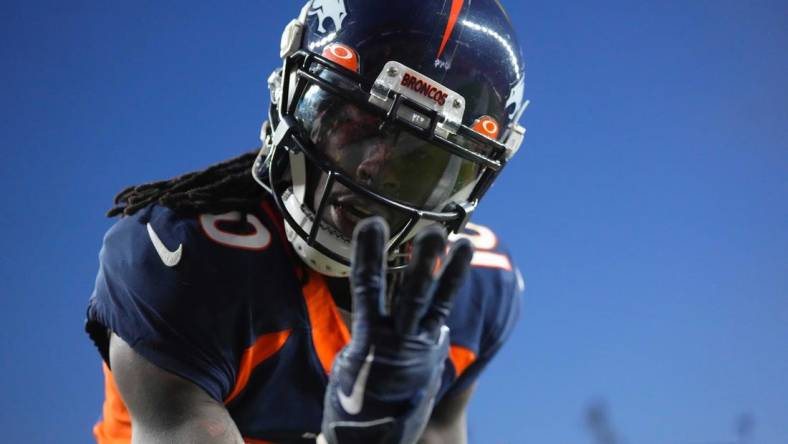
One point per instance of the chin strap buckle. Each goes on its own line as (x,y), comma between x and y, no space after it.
(465,210)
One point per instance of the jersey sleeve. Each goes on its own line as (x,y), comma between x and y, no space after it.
(154,291)
(485,312)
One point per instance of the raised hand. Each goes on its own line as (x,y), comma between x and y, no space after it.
(383,384)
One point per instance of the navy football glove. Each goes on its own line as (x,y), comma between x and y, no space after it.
(383,384)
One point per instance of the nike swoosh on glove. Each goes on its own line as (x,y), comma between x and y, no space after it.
(383,383)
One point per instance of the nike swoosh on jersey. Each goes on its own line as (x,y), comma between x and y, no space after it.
(170,258)
(352,404)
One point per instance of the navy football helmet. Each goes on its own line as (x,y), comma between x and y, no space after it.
(406,109)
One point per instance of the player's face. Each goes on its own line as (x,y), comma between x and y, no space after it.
(363,151)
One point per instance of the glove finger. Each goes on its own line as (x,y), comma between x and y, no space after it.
(415,295)
(368,274)
(451,279)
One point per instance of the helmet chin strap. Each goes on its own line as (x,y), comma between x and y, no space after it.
(295,204)
(313,258)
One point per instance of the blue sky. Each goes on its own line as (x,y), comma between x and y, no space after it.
(647,208)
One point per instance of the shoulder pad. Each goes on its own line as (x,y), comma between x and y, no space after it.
(175,288)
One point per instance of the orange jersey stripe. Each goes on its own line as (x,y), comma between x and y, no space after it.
(115,427)
(461,357)
(329,333)
(266,346)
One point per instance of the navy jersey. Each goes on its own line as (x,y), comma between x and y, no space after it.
(222,301)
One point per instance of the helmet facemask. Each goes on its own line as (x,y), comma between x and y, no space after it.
(339,149)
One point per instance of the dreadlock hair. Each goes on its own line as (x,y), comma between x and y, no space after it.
(222,187)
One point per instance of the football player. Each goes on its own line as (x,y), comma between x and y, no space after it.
(307,292)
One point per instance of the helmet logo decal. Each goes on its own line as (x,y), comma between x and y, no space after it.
(342,55)
(515,100)
(329,9)
(454,14)
(425,88)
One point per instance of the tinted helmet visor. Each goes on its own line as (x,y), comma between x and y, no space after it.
(382,156)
